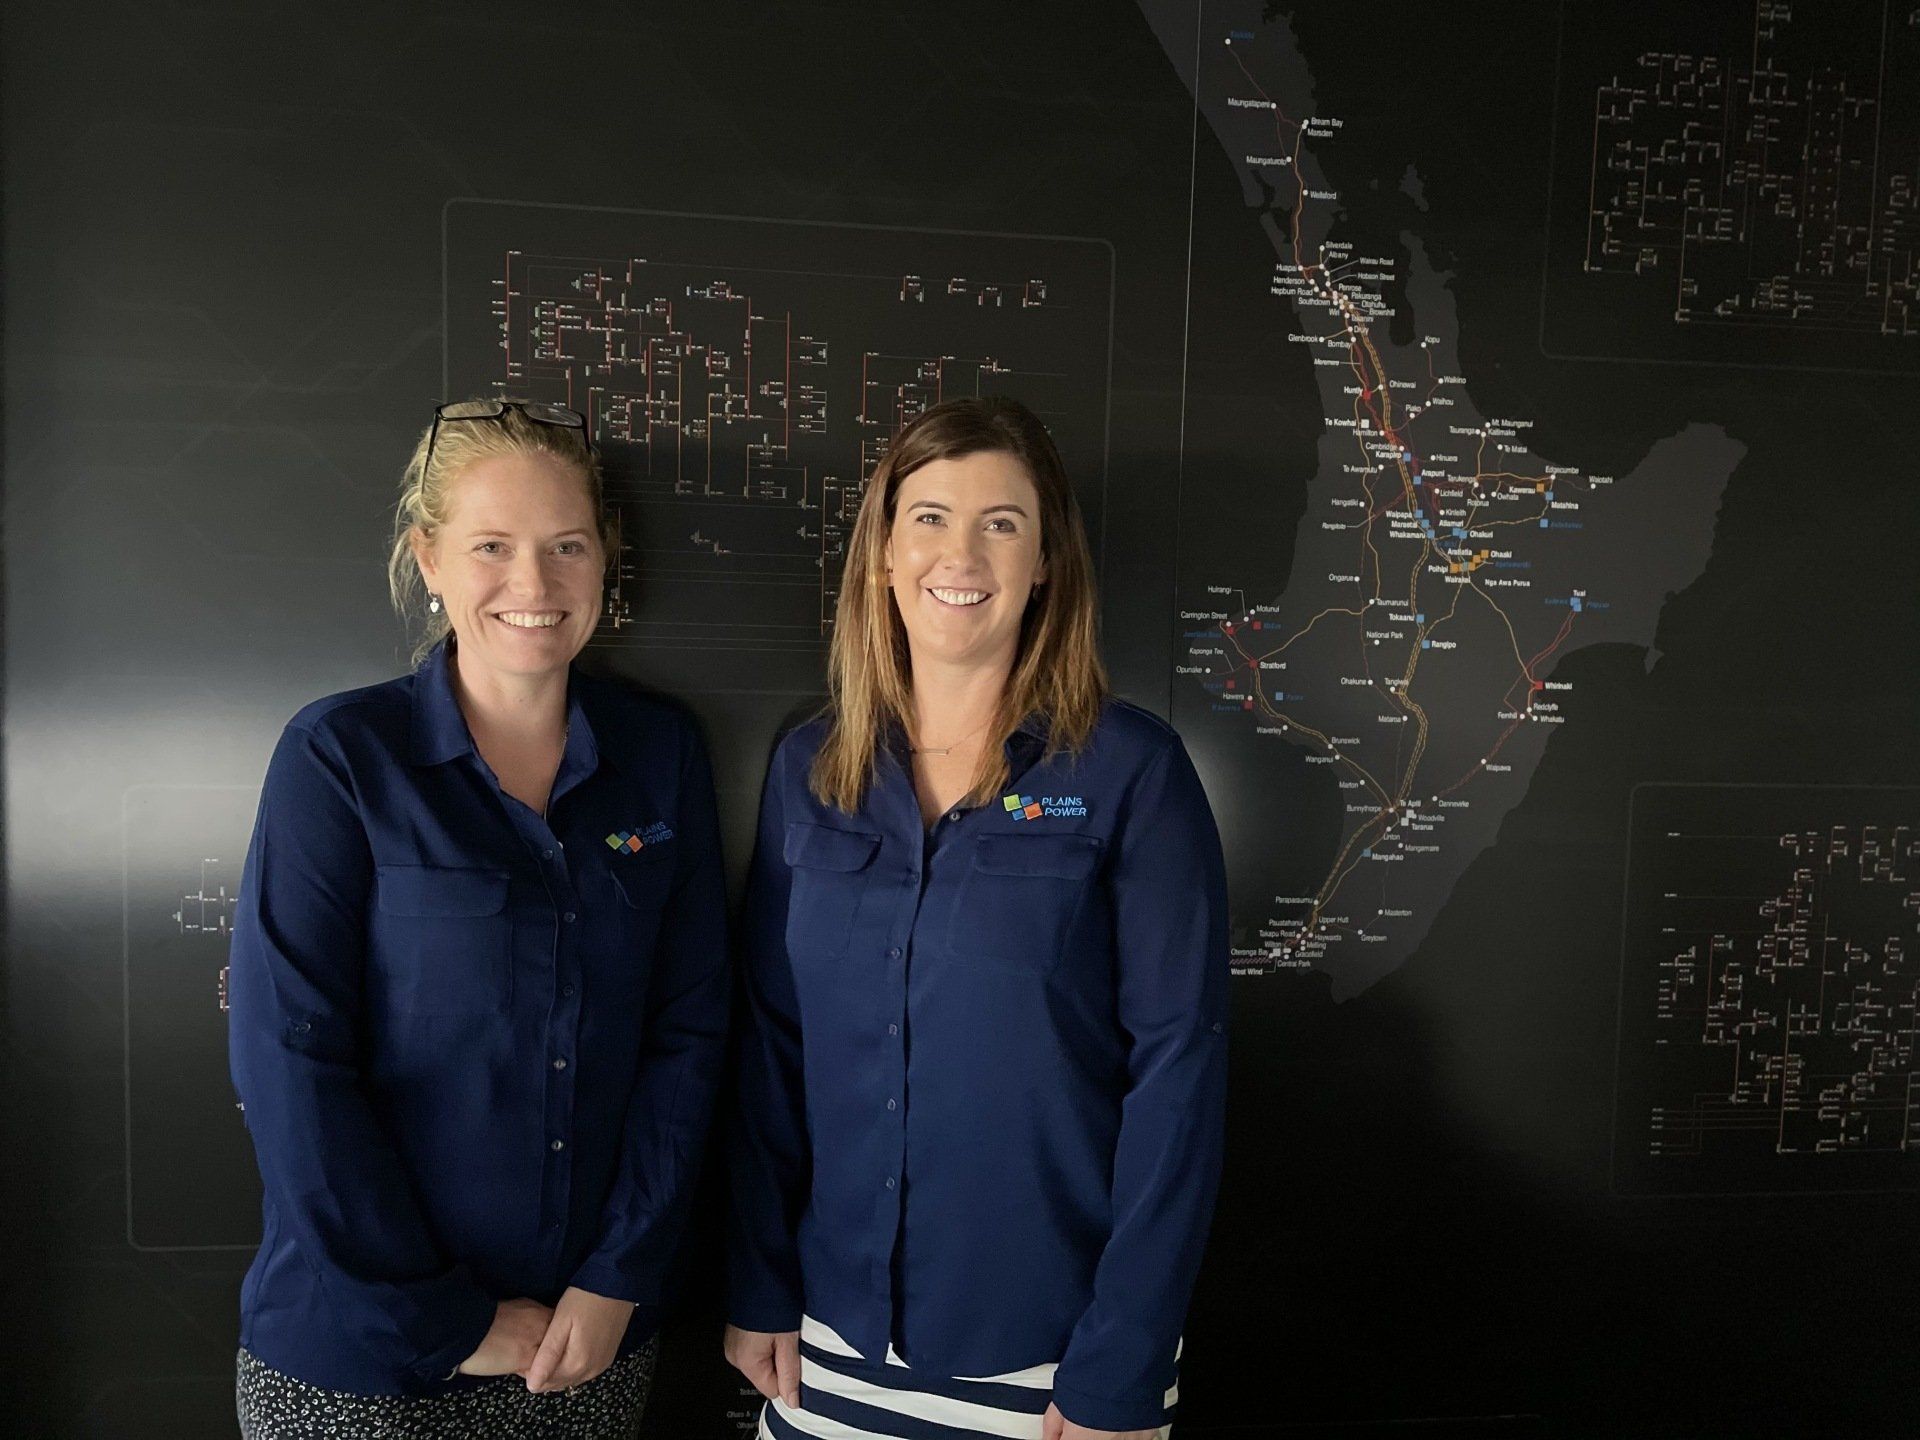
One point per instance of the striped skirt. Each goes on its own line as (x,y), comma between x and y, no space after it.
(846,1397)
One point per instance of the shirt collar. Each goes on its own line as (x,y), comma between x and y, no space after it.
(440,731)
(1025,746)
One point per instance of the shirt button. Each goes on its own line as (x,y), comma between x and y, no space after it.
(894,953)
(889,1182)
(893,1104)
(546,854)
(953,815)
(893,1029)
(566,989)
(559,1144)
(1218,1027)
(559,1062)
(568,917)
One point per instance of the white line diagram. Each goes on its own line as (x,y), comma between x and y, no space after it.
(743,376)
(1739,180)
(191,1181)
(1770,990)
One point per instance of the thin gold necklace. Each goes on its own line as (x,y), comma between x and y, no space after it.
(947,749)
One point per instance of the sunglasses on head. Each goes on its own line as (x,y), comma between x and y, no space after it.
(545,412)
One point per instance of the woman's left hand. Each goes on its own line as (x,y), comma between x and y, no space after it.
(1057,1427)
(581,1339)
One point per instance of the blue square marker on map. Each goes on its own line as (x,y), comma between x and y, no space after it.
(1543,522)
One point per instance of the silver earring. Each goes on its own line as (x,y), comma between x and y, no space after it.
(433,603)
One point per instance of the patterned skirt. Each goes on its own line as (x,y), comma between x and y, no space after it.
(846,1397)
(273,1406)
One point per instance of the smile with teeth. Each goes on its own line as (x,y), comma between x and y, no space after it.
(530,619)
(956,597)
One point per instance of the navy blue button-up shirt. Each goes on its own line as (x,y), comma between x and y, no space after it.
(477,1047)
(984,1078)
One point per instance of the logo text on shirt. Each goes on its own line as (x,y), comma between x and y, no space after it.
(632,841)
(1025,807)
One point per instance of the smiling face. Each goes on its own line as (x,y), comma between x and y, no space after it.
(517,565)
(964,556)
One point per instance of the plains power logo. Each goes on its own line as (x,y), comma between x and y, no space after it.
(1025,807)
(634,841)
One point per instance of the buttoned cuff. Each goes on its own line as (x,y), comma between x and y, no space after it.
(464,1334)
(783,1321)
(767,1309)
(597,1277)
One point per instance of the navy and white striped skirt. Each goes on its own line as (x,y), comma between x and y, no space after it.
(846,1397)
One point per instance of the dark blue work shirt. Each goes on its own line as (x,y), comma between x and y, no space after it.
(477,1047)
(984,1079)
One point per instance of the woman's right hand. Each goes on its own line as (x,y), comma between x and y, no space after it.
(771,1362)
(512,1341)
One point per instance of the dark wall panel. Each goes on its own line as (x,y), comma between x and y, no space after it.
(1496,427)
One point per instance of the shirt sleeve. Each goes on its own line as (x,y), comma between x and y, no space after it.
(770,1162)
(681,1054)
(294,1008)
(1170,925)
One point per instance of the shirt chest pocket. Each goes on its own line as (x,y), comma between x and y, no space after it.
(641,885)
(441,941)
(830,871)
(1020,896)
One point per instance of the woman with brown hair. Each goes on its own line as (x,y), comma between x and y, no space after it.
(984,1069)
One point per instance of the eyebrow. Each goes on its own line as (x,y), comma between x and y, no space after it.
(990,510)
(508,535)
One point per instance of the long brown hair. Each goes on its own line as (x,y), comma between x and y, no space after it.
(1057,675)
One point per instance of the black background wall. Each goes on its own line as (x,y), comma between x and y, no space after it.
(1570,1097)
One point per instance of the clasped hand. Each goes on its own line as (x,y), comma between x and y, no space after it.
(554,1349)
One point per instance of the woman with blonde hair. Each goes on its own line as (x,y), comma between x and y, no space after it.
(981,1097)
(479,986)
